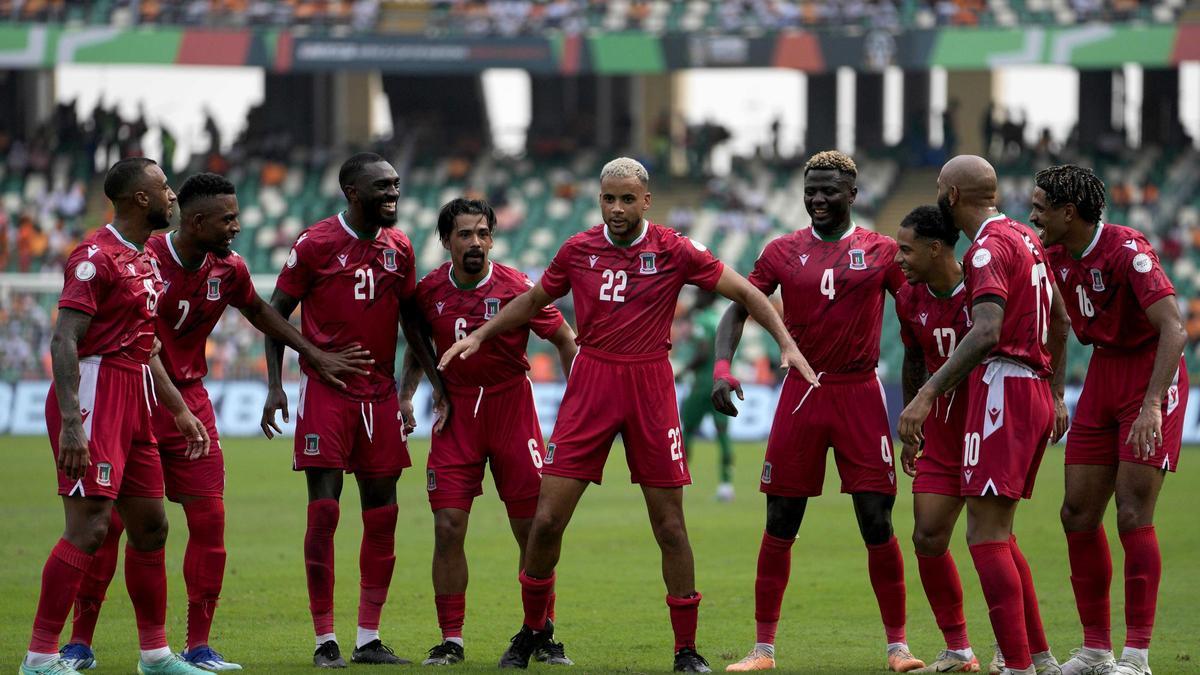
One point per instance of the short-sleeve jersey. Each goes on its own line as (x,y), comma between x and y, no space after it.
(1007,260)
(935,324)
(625,296)
(832,293)
(191,303)
(350,291)
(1109,287)
(119,285)
(455,312)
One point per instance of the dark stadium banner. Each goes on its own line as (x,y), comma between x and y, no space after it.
(238,407)
(700,50)
(423,55)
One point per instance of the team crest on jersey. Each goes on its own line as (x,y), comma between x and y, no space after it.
(430,480)
(440,306)
(549,459)
(389,259)
(343,258)
(1097,280)
(214,288)
(804,259)
(490,307)
(648,264)
(312,444)
(104,474)
(924,317)
(858,259)
(592,260)
(766,473)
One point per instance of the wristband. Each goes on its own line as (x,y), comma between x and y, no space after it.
(721,373)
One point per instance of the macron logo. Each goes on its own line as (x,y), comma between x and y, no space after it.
(592,260)
(93,250)
(342,259)
(83,415)
(1063,273)
(967,474)
(1130,244)
(804,259)
(440,306)
(982,239)
(924,317)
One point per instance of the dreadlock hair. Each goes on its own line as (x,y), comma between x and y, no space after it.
(1071,184)
(927,222)
(832,160)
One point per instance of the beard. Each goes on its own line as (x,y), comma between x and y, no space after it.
(473,264)
(375,215)
(159,219)
(943,203)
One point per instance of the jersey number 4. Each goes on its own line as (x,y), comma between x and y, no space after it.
(827,288)
(613,288)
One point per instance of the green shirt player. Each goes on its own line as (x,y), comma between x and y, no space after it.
(698,403)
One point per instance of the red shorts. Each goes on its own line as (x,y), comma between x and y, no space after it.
(200,477)
(1109,404)
(609,394)
(496,425)
(847,412)
(1009,421)
(115,396)
(365,438)
(939,466)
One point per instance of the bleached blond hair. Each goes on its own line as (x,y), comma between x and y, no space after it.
(832,160)
(626,167)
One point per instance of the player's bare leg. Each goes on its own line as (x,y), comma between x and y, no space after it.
(146,529)
(203,574)
(935,517)
(885,564)
(556,504)
(87,522)
(1088,491)
(665,507)
(1137,490)
(376,562)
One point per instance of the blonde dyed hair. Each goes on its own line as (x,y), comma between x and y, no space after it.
(832,160)
(625,167)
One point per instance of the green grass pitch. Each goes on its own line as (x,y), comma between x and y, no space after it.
(612,616)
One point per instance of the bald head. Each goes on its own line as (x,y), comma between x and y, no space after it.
(972,177)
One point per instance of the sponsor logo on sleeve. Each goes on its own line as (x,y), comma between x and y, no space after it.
(1142,263)
(85,270)
(981,258)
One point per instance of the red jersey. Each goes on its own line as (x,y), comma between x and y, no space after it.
(1006,259)
(1109,287)
(832,293)
(119,285)
(455,312)
(192,302)
(932,323)
(350,291)
(625,296)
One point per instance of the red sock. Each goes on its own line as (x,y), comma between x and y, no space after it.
(685,612)
(535,597)
(774,568)
(146,581)
(203,565)
(1034,632)
(95,584)
(1091,577)
(318,561)
(939,576)
(550,607)
(376,561)
(1002,590)
(1143,570)
(886,567)
(451,611)
(64,570)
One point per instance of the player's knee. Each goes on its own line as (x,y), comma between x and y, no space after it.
(448,532)
(1076,518)
(547,525)
(671,534)
(930,541)
(151,533)
(88,536)
(876,530)
(784,515)
(1133,514)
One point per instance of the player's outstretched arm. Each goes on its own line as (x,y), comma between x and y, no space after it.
(912,376)
(518,312)
(331,366)
(1146,433)
(1056,343)
(738,289)
(72,325)
(284,304)
(564,341)
(191,428)
(729,335)
(988,314)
